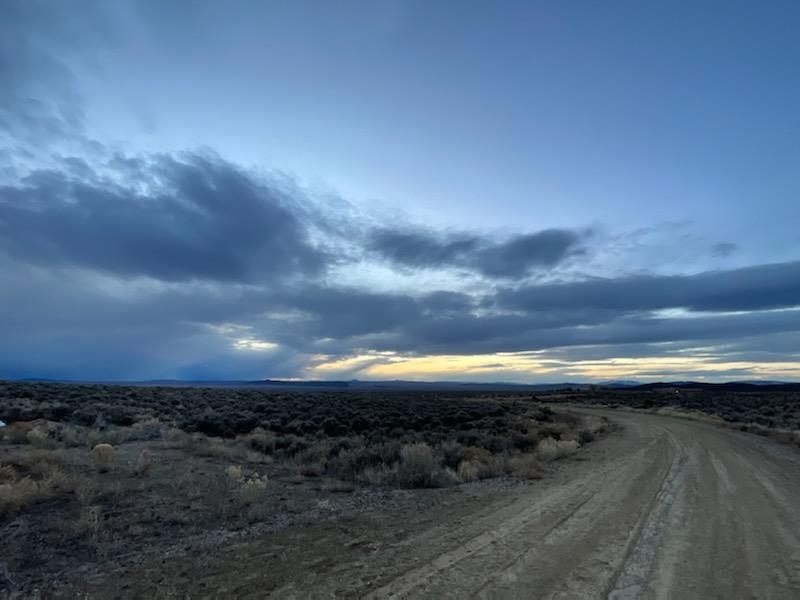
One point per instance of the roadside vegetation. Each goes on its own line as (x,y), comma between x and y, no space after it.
(769,413)
(95,473)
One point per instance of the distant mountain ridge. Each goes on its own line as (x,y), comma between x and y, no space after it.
(446,386)
(360,385)
(729,386)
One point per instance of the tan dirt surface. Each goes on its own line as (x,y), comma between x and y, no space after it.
(663,508)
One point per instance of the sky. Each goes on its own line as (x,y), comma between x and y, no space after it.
(518,191)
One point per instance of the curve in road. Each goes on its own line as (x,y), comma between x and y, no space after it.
(679,509)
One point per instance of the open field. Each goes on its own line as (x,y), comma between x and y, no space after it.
(404,495)
(95,479)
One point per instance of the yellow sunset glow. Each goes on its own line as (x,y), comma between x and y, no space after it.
(533,366)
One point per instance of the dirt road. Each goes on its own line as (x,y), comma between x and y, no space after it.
(678,509)
(664,508)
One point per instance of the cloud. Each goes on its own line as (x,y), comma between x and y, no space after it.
(751,288)
(724,249)
(515,257)
(39,101)
(122,266)
(164,265)
(169,217)
(421,249)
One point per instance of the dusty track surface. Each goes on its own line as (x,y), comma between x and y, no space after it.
(685,510)
(666,508)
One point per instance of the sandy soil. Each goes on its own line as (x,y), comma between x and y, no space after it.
(664,508)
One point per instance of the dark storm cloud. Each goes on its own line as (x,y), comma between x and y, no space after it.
(68,324)
(193,216)
(751,288)
(515,257)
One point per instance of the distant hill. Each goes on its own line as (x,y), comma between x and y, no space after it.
(356,385)
(619,383)
(730,386)
(389,385)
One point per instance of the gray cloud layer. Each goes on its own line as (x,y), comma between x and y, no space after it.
(171,218)
(752,288)
(230,255)
(512,258)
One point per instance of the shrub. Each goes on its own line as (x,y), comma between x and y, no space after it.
(468,470)
(351,462)
(380,475)
(312,461)
(234,473)
(494,466)
(253,489)
(524,441)
(17,433)
(417,466)
(451,453)
(526,466)
(102,457)
(260,440)
(474,453)
(22,493)
(445,477)
(148,429)
(7,474)
(39,439)
(249,489)
(552,449)
(107,437)
(144,463)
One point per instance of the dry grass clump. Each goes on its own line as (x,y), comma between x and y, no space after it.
(253,489)
(18,493)
(143,463)
(102,457)
(17,433)
(249,489)
(478,463)
(38,438)
(468,470)
(7,474)
(526,466)
(550,449)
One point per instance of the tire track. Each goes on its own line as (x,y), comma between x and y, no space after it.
(509,544)
(639,558)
